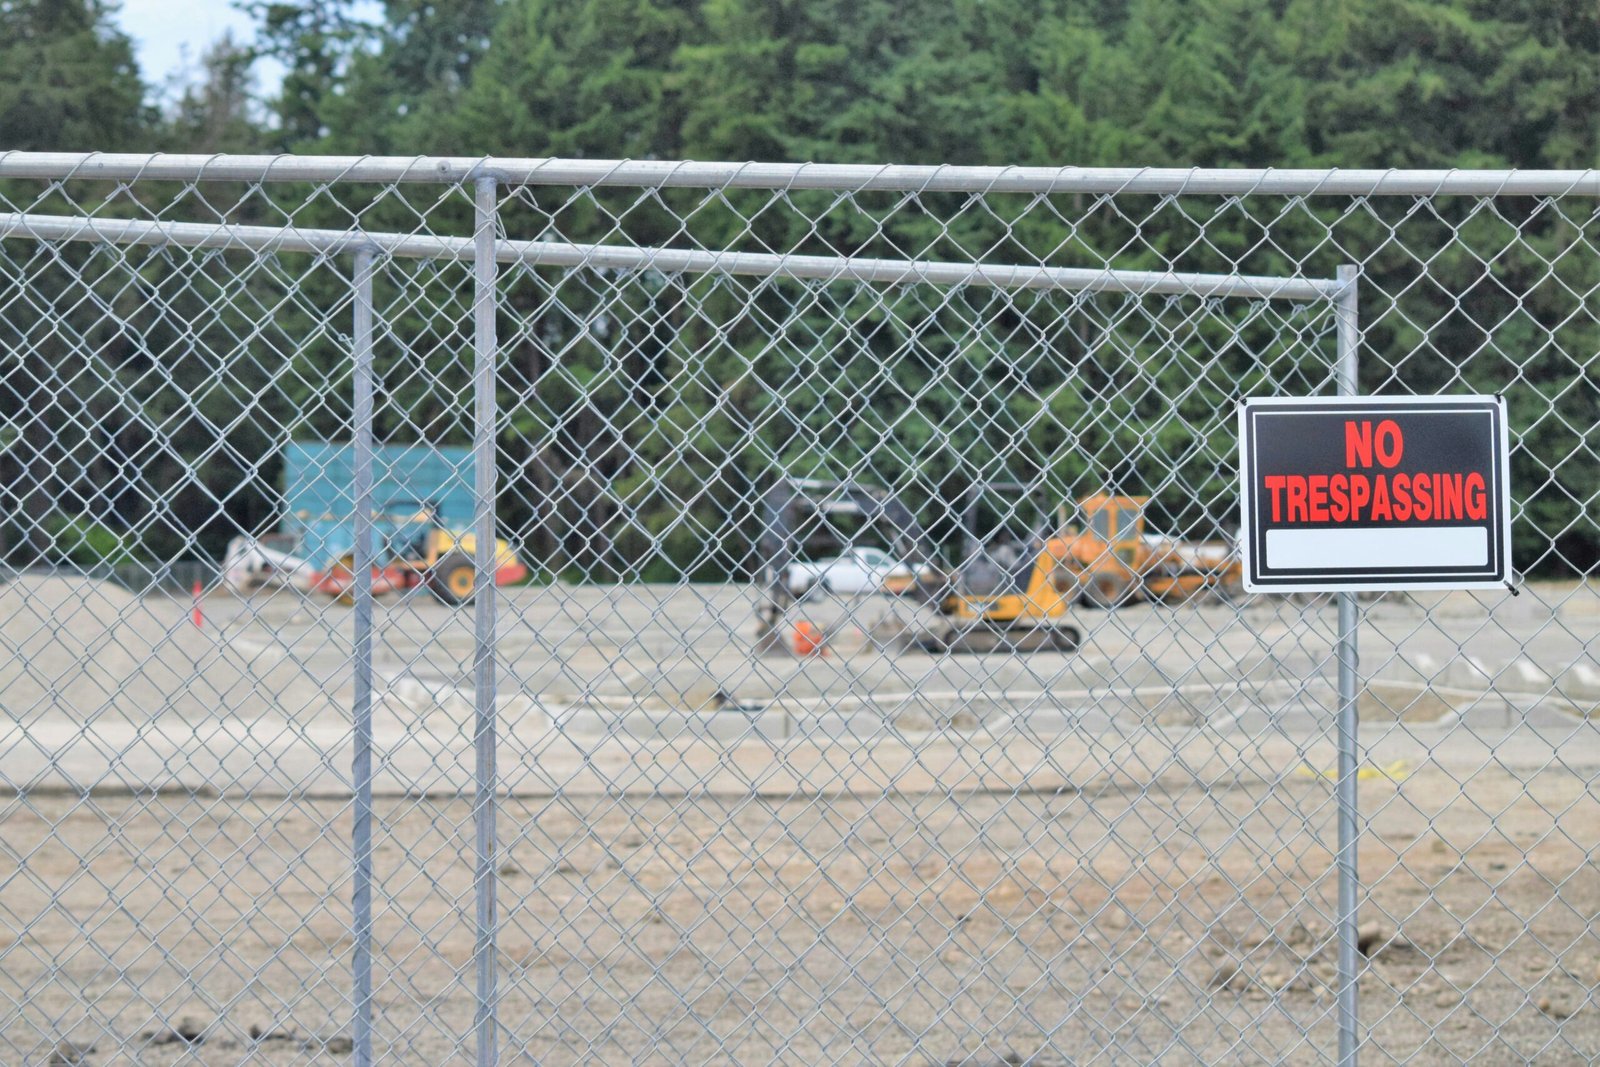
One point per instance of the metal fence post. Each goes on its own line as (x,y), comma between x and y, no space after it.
(1345,307)
(484,345)
(361,771)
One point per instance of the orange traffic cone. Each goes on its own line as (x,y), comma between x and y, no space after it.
(197,616)
(808,640)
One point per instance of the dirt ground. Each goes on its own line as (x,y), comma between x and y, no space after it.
(1121,855)
(1102,924)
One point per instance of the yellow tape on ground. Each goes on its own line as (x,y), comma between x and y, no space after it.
(1397,771)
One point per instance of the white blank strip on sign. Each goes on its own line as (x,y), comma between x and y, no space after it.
(1334,549)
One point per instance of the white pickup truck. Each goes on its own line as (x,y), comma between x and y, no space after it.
(855,570)
(253,562)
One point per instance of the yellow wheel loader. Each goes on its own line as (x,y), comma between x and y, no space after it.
(414,550)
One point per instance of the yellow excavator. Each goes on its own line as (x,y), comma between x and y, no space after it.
(1006,592)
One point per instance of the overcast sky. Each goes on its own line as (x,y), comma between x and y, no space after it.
(162,29)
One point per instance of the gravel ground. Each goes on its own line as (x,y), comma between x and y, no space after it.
(1134,876)
(1187,919)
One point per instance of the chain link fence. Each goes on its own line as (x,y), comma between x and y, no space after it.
(670,612)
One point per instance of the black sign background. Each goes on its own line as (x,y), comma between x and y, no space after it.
(1448,435)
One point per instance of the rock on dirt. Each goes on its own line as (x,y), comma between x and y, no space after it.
(1004,1058)
(70,1054)
(1226,975)
(1275,981)
(189,1031)
(1554,1008)
(1376,939)
(261,1035)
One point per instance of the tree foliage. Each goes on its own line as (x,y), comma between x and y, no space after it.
(67,78)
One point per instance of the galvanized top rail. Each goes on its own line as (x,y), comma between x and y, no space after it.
(668,260)
(1193,181)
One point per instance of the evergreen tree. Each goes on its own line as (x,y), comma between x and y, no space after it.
(215,113)
(68,80)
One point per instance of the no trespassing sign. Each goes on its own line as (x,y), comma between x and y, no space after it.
(1371,493)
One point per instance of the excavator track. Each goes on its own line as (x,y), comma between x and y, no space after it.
(980,640)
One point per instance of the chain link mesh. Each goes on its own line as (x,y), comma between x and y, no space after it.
(868,678)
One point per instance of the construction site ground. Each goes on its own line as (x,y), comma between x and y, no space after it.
(901,856)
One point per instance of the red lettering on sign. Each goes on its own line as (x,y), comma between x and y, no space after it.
(1274,483)
(1400,486)
(1360,493)
(1397,496)
(1390,446)
(1297,498)
(1317,498)
(1358,444)
(1477,497)
(1380,500)
(1422,486)
(1449,490)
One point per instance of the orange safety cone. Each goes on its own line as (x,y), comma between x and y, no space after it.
(197,616)
(808,640)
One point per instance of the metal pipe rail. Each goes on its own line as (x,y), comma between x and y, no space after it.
(666,260)
(639,173)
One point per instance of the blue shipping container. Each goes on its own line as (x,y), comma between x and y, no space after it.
(319,480)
